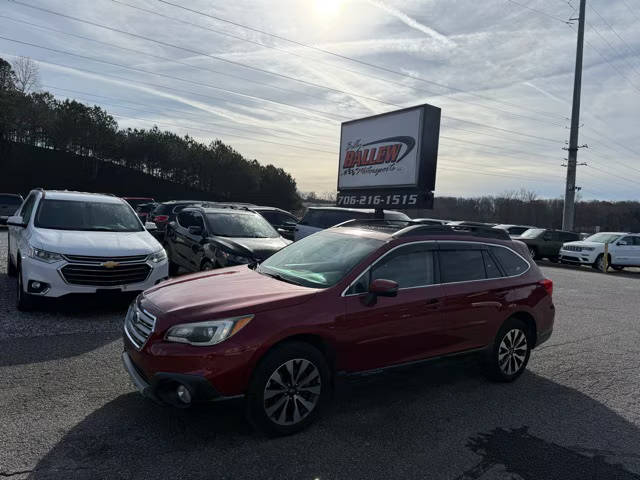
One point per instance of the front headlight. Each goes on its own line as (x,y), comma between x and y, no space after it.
(203,334)
(44,256)
(159,256)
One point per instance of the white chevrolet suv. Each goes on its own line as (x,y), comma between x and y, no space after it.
(64,242)
(623,248)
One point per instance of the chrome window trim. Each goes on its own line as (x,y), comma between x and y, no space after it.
(344,292)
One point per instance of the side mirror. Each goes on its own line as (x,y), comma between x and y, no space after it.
(380,288)
(150,226)
(16,221)
(195,230)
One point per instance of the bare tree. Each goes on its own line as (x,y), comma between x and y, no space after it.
(27,75)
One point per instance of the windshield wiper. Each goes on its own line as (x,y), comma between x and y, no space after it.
(277,276)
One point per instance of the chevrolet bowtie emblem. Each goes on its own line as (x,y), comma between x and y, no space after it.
(110,264)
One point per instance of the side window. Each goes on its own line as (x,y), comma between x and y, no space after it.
(490,266)
(185,219)
(461,265)
(625,241)
(511,263)
(27,209)
(410,266)
(197,220)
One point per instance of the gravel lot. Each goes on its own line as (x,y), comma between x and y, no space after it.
(67,409)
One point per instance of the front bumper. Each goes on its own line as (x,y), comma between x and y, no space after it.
(162,387)
(48,273)
(579,258)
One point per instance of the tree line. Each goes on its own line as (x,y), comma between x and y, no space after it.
(37,118)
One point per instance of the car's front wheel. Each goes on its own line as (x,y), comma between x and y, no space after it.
(24,301)
(289,389)
(599,263)
(11,268)
(510,353)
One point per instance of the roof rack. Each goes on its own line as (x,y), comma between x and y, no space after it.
(403,228)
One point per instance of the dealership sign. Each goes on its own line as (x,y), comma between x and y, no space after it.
(389,159)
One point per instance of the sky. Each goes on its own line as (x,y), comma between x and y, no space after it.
(275,79)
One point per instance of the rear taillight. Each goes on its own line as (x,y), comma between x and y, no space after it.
(160,218)
(548,286)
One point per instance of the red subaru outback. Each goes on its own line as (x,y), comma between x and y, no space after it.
(362,296)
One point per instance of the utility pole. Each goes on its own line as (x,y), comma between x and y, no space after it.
(568,214)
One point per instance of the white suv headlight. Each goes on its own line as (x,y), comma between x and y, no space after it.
(207,333)
(44,256)
(159,256)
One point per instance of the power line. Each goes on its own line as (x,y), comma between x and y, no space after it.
(351,59)
(553,17)
(341,68)
(593,27)
(255,97)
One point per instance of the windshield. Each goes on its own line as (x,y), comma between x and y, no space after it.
(319,260)
(603,238)
(532,233)
(86,216)
(241,225)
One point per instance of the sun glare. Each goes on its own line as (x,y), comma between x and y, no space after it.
(327,8)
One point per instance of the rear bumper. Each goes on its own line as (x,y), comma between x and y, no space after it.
(161,388)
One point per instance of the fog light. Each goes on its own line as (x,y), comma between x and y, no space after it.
(184,395)
(35,286)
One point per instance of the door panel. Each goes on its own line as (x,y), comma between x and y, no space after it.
(395,330)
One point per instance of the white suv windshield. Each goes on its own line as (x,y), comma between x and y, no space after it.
(86,216)
(603,238)
(320,260)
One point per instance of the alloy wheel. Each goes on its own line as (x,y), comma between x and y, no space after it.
(512,352)
(532,252)
(601,263)
(292,392)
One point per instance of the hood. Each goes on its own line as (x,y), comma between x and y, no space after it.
(582,243)
(115,244)
(258,248)
(216,293)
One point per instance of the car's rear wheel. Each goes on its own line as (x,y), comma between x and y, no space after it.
(533,252)
(288,390)
(510,353)
(24,301)
(617,268)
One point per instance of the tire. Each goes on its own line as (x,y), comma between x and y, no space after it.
(24,301)
(207,265)
(11,268)
(599,263)
(510,353)
(272,409)
(554,259)
(533,251)
(617,268)
(174,269)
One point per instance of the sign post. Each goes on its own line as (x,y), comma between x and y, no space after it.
(389,160)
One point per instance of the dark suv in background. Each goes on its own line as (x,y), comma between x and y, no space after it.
(9,203)
(283,221)
(208,237)
(360,297)
(546,243)
(166,212)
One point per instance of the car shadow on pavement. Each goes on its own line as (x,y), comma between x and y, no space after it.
(436,421)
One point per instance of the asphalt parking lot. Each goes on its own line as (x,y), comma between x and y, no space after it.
(67,409)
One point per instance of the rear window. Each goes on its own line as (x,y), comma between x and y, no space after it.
(12,200)
(511,263)
(461,266)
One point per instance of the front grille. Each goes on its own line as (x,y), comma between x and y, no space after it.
(138,325)
(100,276)
(88,259)
(572,248)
